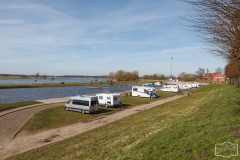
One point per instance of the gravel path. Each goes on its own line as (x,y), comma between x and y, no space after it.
(12,122)
(24,142)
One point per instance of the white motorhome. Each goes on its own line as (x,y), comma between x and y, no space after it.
(109,99)
(84,104)
(183,86)
(170,88)
(195,85)
(143,91)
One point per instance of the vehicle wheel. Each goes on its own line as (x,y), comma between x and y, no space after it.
(83,112)
(138,96)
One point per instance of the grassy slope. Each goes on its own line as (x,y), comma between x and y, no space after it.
(58,117)
(187,128)
(9,106)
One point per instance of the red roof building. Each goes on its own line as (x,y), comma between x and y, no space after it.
(214,77)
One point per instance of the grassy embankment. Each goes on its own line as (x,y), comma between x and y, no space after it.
(58,117)
(9,106)
(187,128)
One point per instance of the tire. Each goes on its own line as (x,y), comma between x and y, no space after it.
(138,96)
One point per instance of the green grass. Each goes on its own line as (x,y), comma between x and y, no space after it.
(58,117)
(187,128)
(9,106)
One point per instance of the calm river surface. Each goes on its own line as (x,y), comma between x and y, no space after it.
(47,80)
(27,94)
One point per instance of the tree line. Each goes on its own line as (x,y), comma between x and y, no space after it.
(122,75)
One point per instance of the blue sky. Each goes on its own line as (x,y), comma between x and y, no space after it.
(95,37)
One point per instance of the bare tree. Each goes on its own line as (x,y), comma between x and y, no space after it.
(111,75)
(207,70)
(119,75)
(135,74)
(218,23)
(187,77)
(37,74)
(219,70)
(200,72)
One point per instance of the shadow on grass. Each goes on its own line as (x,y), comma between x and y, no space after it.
(104,110)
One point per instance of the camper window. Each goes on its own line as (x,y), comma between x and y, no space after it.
(146,91)
(135,89)
(115,98)
(80,102)
(100,97)
(108,98)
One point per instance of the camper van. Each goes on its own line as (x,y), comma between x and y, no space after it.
(84,104)
(143,91)
(170,88)
(108,99)
(183,86)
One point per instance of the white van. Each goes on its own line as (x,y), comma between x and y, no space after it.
(143,91)
(84,104)
(170,88)
(108,99)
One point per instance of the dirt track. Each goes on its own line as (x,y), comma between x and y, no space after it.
(23,142)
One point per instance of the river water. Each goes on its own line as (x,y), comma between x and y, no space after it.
(28,94)
(48,80)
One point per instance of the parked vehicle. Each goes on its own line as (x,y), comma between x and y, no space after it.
(183,86)
(195,85)
(157,84)
(109,99)
(84,104)
(149,84)
(170,88)
(143,91)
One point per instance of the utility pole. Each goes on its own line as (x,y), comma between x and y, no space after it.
(171,68)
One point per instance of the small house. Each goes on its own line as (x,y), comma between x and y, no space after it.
(214,77)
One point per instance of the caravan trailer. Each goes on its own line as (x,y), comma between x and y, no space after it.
(143,91)
(170,88)
(84,104)
(108,99)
